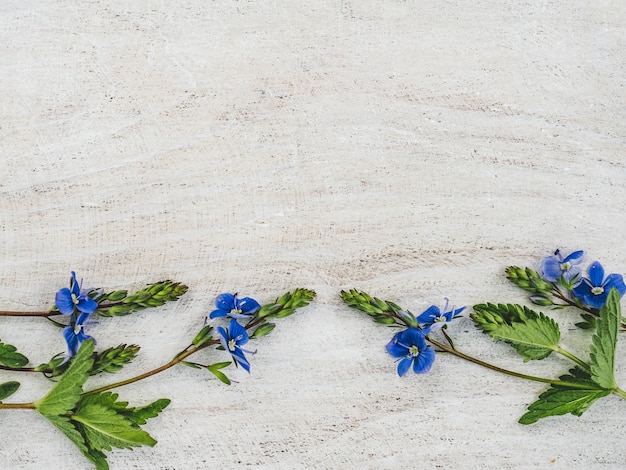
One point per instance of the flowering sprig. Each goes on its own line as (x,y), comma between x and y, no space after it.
(96,420)
(532,334)
(561,284)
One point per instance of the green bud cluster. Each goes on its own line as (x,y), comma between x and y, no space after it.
(286,305)
(489,317)
(380,310)
(529,280)
(113,359)
(118,303)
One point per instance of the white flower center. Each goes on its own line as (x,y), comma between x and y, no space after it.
(77,329)
(566,266)
(414,351)
(74,299)
(597,290)
(231,344)
(235,311)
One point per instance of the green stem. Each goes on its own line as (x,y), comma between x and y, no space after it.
(505,371)
(569,355)
(26,314)
(618,391)
(16,406)
(188,351)
(19,369)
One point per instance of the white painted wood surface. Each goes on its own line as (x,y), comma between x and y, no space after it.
(412,149)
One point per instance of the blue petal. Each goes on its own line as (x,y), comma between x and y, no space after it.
(74,286)
(615,281)
(596,274)
(575,257)
(248,305)
(404,365)
(413,337)
(429,315)
(597,300)
(224,336)
(241,359)
(217,314)
(551,268)
(82,318)
(225,302)
(424,361)
(71,339)
(395,349)
(63,301)
(583,289)
(87,304)
(236,330)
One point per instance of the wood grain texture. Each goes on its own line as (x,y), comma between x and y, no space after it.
(412,149)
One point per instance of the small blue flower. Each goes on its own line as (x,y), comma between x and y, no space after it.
(232,339)
(228,305)
(434,318)
(594,290)
(75,297)
(75,334)
(410,347)
(555,266)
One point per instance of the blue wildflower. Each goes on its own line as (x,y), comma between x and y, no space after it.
(75,297)
(594,290)
(232,339)
(228,305)
(410,347)
(434,318)
(555,266)
(74,334)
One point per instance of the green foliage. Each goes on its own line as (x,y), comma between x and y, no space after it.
(7,389)
(9,356)
(66,393)
(113,359)
(287,304)
(602,353)
(262,330)
(203,336)
(381,311)
(588,323)
(95,422)
(533,335)
(119,304)
(215,370)
(529,280)
(575,396)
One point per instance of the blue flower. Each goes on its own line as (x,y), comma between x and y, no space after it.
(228,305)
(410,347)
(74,334)
(433,318)
(75,297)
(554,266)
(232,339)
(594,290)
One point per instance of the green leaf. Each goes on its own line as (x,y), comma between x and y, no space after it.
(7,389)
(9,356)
(533,335)
(95,456)
(602,353)
(104,428)
(287,304)
(66,393)
(588,323)
(214,369)
(381,311)
(263,330)
(562,399)
(137,416)
(203,336)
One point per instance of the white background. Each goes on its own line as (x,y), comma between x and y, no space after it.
(411,149)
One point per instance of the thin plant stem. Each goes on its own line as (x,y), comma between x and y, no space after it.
(505,371)
(17,406)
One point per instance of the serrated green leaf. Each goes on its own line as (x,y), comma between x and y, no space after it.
(602,352)
(9,356)
(138,415)
(66,393)
(561,399)
(533,335)
(8,388)
(104,428)
(66,427)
